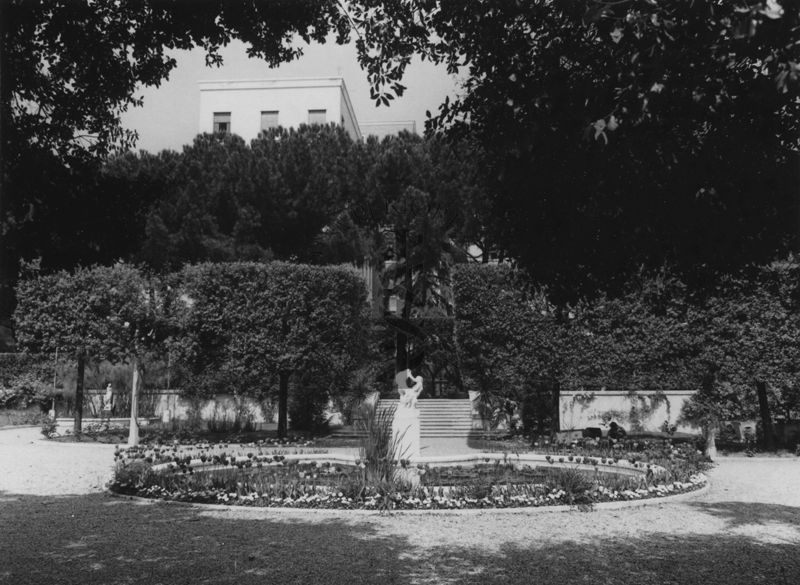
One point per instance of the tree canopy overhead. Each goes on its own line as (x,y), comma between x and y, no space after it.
(617,134)
(613,134)
(637,58)
(71,67)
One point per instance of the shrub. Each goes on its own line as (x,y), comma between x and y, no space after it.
(25,380)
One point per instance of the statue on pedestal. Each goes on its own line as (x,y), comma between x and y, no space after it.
(406,426)
(408,394)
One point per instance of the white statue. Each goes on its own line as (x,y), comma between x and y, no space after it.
(408,394)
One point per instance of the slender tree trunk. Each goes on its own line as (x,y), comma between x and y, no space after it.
(133,429)
(711,441)
(555,413)
(79,394)
(401,354)
(766,418)
(797,197)
(283,404)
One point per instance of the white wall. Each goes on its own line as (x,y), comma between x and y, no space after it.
(579,410)
(291,98)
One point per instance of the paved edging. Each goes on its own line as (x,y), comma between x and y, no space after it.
(48,443)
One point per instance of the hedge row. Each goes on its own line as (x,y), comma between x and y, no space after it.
(657,336)
(243,328)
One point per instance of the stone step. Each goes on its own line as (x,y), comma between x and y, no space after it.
(439,418)
(446,434)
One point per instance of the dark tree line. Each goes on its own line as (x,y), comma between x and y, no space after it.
(405,207)
(69,69)
(618,135)
(612,136)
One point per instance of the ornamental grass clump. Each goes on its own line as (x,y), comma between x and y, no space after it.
(378,449)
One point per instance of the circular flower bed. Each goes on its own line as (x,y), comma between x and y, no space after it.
(266,476)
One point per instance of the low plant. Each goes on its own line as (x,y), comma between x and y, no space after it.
(49,427)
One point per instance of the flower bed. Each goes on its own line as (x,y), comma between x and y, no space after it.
(258,475)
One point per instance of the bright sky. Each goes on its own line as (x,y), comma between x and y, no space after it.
(169,117)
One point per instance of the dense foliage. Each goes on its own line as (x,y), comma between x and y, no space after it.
(25,379)
(71,68)
(223,200)
(617,134)
(313,194)
(104,313)
(748,339)
(579,108)
(656,336)
(248,328)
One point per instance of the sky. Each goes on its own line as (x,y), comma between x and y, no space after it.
(169,117)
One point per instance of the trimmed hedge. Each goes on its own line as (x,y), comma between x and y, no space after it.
(249,328)
(656,336)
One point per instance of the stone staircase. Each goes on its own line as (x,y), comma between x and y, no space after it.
(438,418)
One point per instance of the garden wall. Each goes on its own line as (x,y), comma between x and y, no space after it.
(640,411)
(223,407)
(158,403)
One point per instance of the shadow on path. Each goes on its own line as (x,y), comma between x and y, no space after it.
(741,513)
(662,560)
(97,539)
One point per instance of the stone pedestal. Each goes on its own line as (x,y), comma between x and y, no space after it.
(405,433)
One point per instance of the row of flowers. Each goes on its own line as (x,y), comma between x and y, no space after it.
(421,498)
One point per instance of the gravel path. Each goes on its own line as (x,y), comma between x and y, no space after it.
(744,529)
(31,465)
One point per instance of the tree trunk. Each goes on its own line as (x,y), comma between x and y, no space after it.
(711,442)
(133,429)
(555,414)
(766,418)
(283,404)
(401,354)
(79,394)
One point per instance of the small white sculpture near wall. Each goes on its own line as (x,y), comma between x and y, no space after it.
(408,394)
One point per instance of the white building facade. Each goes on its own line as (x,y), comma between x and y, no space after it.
(248,107)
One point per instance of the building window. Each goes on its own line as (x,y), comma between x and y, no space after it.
(317,116)
(269,120)
(222,122)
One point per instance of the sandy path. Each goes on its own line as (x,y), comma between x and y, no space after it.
(33,466)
